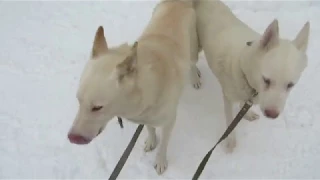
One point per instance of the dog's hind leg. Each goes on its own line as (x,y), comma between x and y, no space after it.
(151,141)
(250,115)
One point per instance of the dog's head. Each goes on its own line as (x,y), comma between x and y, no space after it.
(106,81)
(280,63)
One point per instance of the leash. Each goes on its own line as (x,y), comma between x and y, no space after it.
(230,128)
(127,151)
(116,171)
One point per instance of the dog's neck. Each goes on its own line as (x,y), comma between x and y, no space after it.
(130,101)
(254,91)
(248,66)
(141,97)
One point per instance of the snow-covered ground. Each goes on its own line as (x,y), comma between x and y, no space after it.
(44,46)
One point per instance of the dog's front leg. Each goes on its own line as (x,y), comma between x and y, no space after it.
(230,141)
(250,115)
(161,162)
(151,141)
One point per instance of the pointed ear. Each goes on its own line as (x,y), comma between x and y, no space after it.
(270,36)
(302,39)
(99,44)
(129,65)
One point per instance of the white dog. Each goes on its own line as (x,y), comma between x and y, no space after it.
(143,82)
(244,61)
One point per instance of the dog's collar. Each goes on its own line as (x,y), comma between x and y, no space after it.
(254,92)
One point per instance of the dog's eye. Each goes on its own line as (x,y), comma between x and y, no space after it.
(290,85)
(96,108)
(266,81)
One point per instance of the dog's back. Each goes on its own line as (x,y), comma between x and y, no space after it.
(215,13)
(171,33)
(170,19)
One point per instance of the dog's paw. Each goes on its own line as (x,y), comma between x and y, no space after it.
(230,144)
(198,73)
(195,78)
(150,144)
(197,85)
(251,116)
(161,165)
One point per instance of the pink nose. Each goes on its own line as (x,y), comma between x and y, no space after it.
(270,113)
(78,139)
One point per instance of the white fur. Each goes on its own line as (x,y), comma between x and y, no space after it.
(240,67)
(140,83)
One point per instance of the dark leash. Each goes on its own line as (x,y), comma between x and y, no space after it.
(230,128)
(127,151)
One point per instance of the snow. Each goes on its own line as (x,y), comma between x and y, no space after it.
(44,46)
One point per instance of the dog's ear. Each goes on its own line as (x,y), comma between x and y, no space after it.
(270,37)
(99,44)
(129,65)
(302,38)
